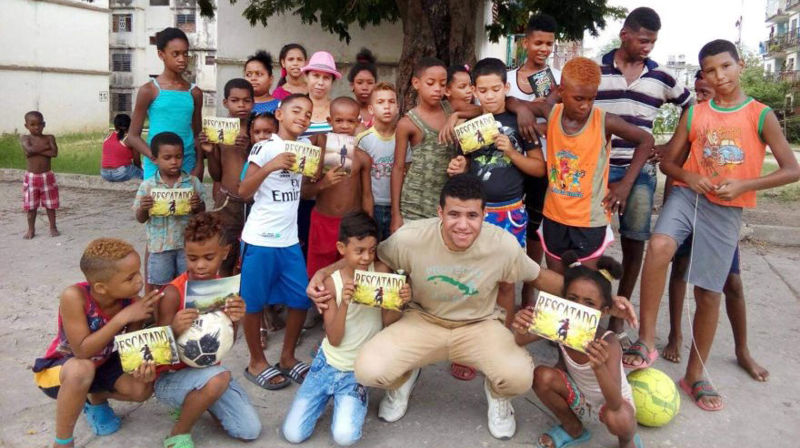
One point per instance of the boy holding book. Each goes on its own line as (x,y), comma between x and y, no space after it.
(81,370)
(338,192)
(722,172)
(273,268)
(348,326)
(379,143)
(39,184)
(165,233)
(225,164)
(194,390)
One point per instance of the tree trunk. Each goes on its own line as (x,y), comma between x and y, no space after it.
(440,28)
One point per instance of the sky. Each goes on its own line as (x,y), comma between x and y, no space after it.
(686,25)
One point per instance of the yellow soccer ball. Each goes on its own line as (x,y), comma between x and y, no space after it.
(655,395)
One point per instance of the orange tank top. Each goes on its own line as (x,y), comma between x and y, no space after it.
(727,144)
(577,171)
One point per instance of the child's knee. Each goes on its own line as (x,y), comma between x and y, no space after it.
(346,434)
(620,422)
(77,373)
(217,384)
(662,246)
(249,428)
(294,432)
(141,392)
(543,378)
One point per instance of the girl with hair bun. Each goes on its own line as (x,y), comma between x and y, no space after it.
(363,76)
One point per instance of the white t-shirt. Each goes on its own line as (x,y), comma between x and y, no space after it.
(273,219)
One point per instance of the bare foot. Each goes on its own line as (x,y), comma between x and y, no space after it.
(750,366)
(713,403)
(54,232)
(672,351)
(29,235)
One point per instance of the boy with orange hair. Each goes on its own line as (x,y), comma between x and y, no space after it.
(579,199)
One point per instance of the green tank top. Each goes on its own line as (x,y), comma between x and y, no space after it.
(428,172)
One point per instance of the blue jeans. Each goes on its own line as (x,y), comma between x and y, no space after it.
(233,408)
(634,224)
(349,404)
(383,216)
(122,173)
(163,267)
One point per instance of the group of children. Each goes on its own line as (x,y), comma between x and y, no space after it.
(547,173)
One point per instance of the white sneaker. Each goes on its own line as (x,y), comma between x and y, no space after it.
(395,402)
(502,424)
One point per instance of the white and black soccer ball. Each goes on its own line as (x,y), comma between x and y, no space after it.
(207,341)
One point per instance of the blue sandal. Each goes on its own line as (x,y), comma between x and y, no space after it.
(102,418)
(562,439)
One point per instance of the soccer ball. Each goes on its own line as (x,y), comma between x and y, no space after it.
(655,395)
(207,341)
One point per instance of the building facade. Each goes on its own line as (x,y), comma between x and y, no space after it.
(55,60)
(781,51)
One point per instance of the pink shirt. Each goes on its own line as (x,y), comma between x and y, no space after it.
(115,154)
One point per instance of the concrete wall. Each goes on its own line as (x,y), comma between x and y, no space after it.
(54,58)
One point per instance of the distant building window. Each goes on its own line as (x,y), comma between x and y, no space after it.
(185,22)
(159,2)
(121,23)
(209,99)
(121,102)
(186,3)
(121,62)
(211,60)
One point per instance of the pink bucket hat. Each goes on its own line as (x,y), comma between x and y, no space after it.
(322,61)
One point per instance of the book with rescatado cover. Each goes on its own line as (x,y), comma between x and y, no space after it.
(564,321)
(171,201)
(480,132)
(155,344)
(221,129)
(378,289)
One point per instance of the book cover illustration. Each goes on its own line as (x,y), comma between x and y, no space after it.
(307,157)
(171,201)
(155,344)
(210,295)
(542,82)
(564,321)
(221,130)
(378,289)
(339,150)
(480,132)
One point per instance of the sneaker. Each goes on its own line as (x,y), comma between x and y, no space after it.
(395,402)
(502,424)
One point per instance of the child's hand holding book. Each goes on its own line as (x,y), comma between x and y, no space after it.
(195,203)
(405,295)
(522,321)
(146,372)
(146,203)
(205,144)
(183,320)
(283,161)
(347,292)
(597,350)
(234,308)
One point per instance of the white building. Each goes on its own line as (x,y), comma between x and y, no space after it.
(782,50)
(54,59)
(132,47)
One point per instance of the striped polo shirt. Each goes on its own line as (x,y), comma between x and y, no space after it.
(637,103)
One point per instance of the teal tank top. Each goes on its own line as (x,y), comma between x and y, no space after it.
(172,111)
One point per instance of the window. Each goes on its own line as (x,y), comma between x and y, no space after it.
(186,22)
(159,2)
(121,23)
(790,64)
(121,62)
(121,101)
(209,98)
(210,60)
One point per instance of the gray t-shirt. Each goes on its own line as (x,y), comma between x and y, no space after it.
(381,149)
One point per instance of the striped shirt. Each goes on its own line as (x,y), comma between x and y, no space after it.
(317,127)
(637,103)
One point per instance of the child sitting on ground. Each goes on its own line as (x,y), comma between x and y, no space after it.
(378,142)
(39,183)
(338,192)
(165,233)
(347,326)
(81,370)
(225,163)
(195,390)
(584,387)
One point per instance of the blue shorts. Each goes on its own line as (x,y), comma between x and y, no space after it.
(511,216)
(163,267)
(233,408)
(273,276)
(634,224)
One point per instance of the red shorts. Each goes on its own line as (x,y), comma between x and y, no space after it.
(39,189)
(322,237)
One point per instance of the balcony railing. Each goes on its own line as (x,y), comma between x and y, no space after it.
(781,43)
(779,14)
(792,5)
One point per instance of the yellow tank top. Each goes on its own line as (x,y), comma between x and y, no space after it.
(577,170)
(362,323)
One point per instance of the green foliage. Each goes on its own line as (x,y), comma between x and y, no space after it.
(77,153)
(667,119)
(574,17)
(762,87)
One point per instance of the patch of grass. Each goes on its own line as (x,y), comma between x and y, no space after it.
(77,153)
(786,193)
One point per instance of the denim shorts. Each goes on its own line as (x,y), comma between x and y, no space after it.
(122,173)
(163,267)
(233,408)
(634,224)
(323,382)
(383,217)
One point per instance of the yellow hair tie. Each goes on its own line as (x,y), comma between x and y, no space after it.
(607,275)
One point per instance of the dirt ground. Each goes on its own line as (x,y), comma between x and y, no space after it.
(443,412)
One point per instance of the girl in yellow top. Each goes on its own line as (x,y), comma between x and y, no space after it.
(579,199)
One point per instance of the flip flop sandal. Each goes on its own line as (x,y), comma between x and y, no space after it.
(641,350)
(179,441)
(296,373)
(699,390)
(262,380)
(462,372)
(101,418)
(562,439)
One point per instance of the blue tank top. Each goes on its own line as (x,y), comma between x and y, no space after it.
(172,111)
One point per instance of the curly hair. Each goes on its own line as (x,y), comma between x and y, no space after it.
(98,261)
(202,227)
(582,71)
